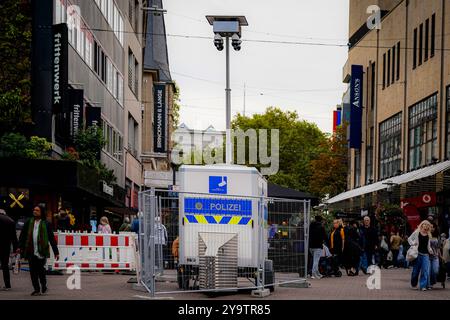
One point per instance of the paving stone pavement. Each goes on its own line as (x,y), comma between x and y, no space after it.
(99,286)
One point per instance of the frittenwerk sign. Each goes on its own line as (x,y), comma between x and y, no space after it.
(211,206)
(159,119)
(60,67)
(76,103)
(93,116)
(356,105)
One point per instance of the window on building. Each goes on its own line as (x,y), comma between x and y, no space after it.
(133,136)
(113,142)
(369,157)
(60,11)
(389,68)
(423,133)
(427,39)
(384,70)
(393,63)
(390,146)
(420,44)
(133,14)
(415,49)
(357,168)
(448,122)
(113,17)
(398,61)
(433,34)
(373,86)
(133,72)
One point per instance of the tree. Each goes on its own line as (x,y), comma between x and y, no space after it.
(15,65)
(299,143)
(176,107)
(329,170)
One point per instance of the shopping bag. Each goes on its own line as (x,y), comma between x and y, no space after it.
(412,253)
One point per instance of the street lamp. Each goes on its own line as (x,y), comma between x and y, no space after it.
(227,27)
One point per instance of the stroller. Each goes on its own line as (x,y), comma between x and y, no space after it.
(329,266)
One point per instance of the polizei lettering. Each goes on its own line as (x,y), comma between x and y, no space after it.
(57,68)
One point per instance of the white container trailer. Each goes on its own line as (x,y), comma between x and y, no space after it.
(218,202)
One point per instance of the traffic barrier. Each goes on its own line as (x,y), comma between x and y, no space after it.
(92,251)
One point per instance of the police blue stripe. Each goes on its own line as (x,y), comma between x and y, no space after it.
(191,219)
(225,220)
(210,219)
(244,221)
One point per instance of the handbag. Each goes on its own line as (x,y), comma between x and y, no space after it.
(412,253)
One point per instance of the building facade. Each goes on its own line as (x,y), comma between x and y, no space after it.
(405,106)
(158,98)
(87,59)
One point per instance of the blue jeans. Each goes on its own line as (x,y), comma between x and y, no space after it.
(366,260)
(422,267)
(316,254)
(434,270)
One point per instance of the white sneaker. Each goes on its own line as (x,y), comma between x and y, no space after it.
(414,288)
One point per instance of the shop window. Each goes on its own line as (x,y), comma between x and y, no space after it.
(390,146)
(423,133)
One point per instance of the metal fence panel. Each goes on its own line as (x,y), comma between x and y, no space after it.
(204,242)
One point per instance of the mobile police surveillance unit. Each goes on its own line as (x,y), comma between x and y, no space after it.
(222,225)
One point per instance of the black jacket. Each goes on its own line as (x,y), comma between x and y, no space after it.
(317,235)
(337,241)
(7,235)
(369,238)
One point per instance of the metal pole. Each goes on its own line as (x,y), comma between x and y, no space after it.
(228,151)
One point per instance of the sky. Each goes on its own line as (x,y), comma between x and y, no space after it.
(295,77)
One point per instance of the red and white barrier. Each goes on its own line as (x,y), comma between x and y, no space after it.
(92,251)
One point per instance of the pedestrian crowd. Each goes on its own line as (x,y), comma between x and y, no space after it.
(354,247)
(35,242)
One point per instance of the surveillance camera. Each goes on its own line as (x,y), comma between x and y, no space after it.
(236,42)
(218,42)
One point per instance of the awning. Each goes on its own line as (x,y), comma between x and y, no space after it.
(404,178)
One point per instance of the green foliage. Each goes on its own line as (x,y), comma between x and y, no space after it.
(300,143)
(38,148)
(12,145)
(15,65)
(15,145)
(89,143)
(329,170)
(176,108)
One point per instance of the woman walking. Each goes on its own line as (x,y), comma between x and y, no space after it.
(34,246)
(420,239)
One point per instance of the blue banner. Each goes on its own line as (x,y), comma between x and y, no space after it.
(356,105)
(211,206)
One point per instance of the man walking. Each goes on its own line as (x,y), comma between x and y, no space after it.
(369,238)
(317,237)
(34,244)
(7,238)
